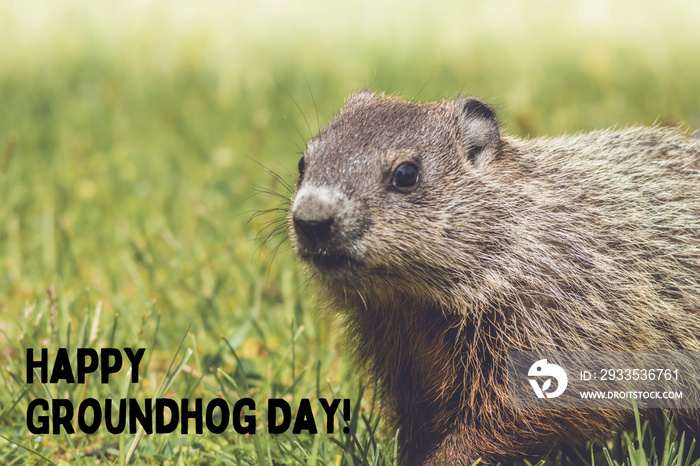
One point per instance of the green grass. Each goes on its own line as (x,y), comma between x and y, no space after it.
(131,142)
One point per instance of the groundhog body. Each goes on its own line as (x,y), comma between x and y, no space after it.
(444,244)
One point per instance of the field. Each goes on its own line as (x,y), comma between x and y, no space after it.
(139,140)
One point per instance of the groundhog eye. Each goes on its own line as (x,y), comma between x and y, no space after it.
(405,175)
(301,166)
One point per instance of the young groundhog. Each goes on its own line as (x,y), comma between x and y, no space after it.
(443,244)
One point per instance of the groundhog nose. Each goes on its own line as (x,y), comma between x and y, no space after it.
(314,231)
(314,221)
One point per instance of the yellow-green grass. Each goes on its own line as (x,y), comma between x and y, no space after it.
(133,137)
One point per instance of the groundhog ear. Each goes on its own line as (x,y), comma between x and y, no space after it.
(480,136)
(360,98)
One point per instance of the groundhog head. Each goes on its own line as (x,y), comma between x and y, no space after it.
(384,190)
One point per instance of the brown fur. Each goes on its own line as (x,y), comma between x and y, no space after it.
(577,242)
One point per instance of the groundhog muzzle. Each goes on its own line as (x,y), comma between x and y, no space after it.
(443,244)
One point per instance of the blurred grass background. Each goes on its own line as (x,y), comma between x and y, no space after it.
(131,135)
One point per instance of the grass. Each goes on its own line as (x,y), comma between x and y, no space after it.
(131,138)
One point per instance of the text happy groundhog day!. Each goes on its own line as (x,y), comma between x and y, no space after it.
(91,413)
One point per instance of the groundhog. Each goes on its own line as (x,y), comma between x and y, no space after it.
(443,244)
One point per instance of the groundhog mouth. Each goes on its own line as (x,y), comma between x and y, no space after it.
(326,262)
